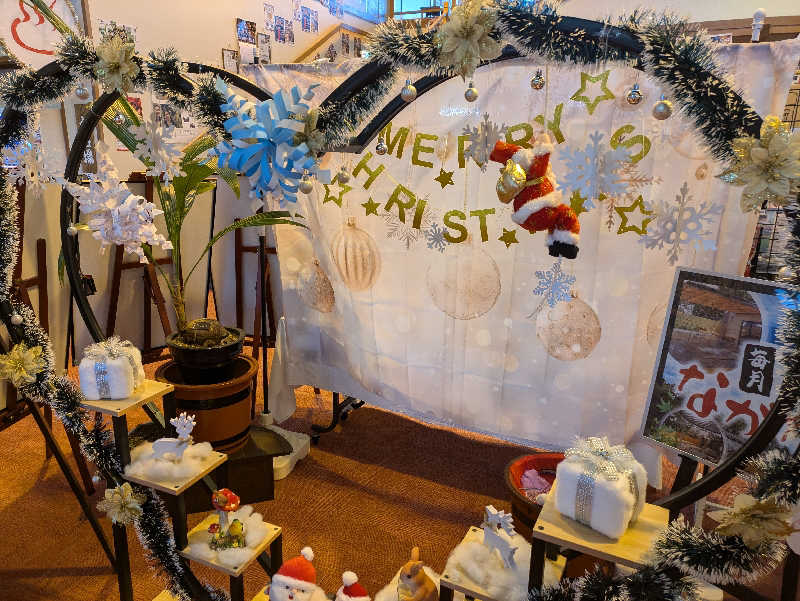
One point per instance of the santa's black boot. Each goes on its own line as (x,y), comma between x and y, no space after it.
(568,251)
(553,249)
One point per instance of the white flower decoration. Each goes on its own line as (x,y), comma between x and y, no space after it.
(161,157)
(115,65)
(465,39)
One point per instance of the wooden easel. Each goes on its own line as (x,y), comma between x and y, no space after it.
(152,290)
(240,248)
(21,288)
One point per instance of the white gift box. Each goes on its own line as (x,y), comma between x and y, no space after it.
(111,369)
(600,485)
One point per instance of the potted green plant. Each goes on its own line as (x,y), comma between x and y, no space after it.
(202,348)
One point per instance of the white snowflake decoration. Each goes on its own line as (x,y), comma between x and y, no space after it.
(482,138)
(116,215)
(406,232)
(679,225)
(160,156)
(594,171)
(435,237)
(554,285)
(28,164)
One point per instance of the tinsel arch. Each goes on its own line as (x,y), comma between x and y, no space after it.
(666,48)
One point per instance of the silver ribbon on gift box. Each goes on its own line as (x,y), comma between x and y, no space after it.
(112,348)
(601,460)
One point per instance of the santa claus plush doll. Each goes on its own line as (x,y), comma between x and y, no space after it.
(528,180)
(296,580)
(351,589)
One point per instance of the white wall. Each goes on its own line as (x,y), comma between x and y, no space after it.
(199,29)
(694,10)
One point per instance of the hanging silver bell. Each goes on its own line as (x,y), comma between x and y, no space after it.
(537,81)
(16,319)
(471,95)
(96,478)
(72,230)
(409,92)
(82,92)
(343,175)
(381,147)
(785,273)
(306,184)
(634,95)
(662,109)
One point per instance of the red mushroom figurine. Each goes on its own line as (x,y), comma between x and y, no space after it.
(213,528)
(224,500)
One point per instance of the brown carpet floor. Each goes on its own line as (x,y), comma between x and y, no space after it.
(372,489)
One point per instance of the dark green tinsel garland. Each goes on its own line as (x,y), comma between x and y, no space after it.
(679,58)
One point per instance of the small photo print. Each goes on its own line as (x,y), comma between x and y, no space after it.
(305,21)
(314,21)
(290,32)
(264,49)
(722,38)
(296,12)
(331,53)
(89,162)
(246,31)
(166,115)
(269,16)
(356,47)
(230,60)
(346,44)
(136,103)
(279,30)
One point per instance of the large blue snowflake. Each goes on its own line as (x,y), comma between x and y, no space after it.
(435,237)
(554,285)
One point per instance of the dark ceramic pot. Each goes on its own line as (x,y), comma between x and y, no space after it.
(206,365)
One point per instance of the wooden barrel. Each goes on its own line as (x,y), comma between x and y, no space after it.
(222,410)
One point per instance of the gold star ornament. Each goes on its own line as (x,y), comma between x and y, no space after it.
(445,178)
(371,207)
(623,212)
(577,203)
(343,189)
(509,237)
(581,94)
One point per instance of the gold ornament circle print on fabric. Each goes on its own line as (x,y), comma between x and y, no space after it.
(569,331)
(315,288)
(356,256)
(464,282)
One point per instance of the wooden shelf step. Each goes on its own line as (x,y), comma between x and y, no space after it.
(149,390)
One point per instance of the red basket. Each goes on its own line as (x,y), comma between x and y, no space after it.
(524,510)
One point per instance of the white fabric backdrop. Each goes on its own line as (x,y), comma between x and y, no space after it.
(393,347)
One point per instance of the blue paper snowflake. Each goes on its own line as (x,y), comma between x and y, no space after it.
(435,237)
(554,285)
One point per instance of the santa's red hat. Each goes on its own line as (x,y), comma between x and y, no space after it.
(298,571)
(351,590)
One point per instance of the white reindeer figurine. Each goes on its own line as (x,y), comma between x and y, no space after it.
(172,449)
(495,522)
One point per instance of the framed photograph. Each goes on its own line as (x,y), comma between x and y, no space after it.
(246,31)
(230,60)
(305,20)
(264,49)
(717,374)
(280,30)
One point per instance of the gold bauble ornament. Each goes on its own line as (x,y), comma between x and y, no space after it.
(464,282)
(315,288)
(409,92)
(569,331)
(356,256)
(537,81)
(471,95)
(82,92)
(634,95)
(380,147)
(662,109)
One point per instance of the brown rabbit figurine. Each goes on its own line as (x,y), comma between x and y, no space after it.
(415,584)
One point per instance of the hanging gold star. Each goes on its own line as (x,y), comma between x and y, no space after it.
(581,96)
(371,206)
(445,178)
(509,237)
(623,214)
(577,203)
(343,189)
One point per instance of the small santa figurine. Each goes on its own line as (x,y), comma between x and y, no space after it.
(351,590)
(528,180)
(296,580)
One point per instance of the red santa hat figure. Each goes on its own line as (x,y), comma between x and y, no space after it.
(296,580)
(351,590)
(528,179)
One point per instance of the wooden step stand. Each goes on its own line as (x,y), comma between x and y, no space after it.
(451,583)
(147,392)
(631,550)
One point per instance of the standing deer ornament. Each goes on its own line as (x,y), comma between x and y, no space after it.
(172,449)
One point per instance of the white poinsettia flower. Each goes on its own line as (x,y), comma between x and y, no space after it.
(115,65)
(465,39)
